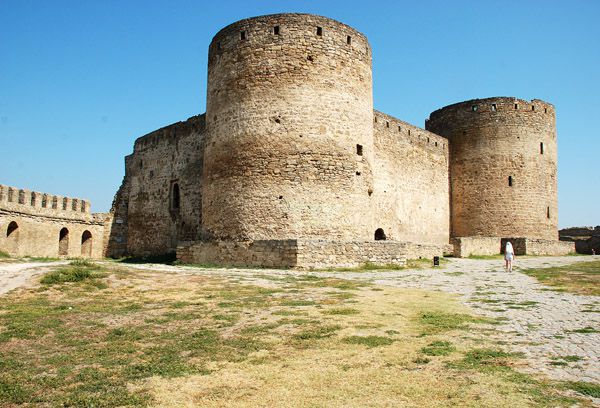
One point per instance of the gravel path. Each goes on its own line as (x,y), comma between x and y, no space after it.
(15,275)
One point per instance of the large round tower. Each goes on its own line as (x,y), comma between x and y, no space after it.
(502,167)
(289,138)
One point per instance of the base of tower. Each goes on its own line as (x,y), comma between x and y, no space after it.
(305,254)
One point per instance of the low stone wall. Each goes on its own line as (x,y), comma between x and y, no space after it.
(530,246)
(302,253)
(267,253)
(467,246)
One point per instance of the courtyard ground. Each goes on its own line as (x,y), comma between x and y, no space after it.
(466,334)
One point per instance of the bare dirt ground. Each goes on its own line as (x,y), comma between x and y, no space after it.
(20,274)
(547,326)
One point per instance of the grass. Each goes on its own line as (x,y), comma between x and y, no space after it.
(164,339)
(483,257)
(584,330)
(417,263)
(581,278)
(76,271)
(4,254)
(585,388)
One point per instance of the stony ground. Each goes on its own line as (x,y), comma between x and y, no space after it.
(547,326)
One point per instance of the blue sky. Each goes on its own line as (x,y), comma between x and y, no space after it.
(81,80)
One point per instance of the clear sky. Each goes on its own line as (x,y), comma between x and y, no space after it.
(81,80)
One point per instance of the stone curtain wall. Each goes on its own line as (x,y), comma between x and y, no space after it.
(289,100)
(146,217)
(410,192)
(29,225)
(491,140)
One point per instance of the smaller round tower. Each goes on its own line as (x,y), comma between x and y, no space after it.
(502,167)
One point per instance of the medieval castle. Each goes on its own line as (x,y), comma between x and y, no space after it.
(291,166)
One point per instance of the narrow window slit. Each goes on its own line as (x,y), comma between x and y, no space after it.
(510,181)
(348,40)
(359,150)
(276,30)
(319,31)
(242,35)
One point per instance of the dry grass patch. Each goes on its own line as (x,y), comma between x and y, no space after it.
(175,339)
(582,278)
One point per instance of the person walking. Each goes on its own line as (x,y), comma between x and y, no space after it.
(509,255)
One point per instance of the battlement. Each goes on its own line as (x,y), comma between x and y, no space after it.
(384,124)
(34,203)
(313,31)
(501,105)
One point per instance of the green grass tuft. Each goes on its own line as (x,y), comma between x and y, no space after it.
(369,341)
(341,311)
(435,322)
(4,255)
(438,348)
(77,271)
(585,388)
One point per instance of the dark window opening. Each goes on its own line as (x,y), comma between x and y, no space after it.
(387,124)
(243,35)
(548,212)
(319,31)
(427,140)
(12,229)
(545,110)
(276,30)
(409,132)
(63,242)
(541,147)
(358,173)
(494,107)
(348,40)
(359,150)
(532,107)
(32,199)
(281,197)
(370,192)
(516,106)
(474,108)
(435,144)
(510,181)
(380,235)
(175,196)
(399,129)
(86,244)
(375,119)
(141,164)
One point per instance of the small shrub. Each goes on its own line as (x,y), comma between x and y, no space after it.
(4,254)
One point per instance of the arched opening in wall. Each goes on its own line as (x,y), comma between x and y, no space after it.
(175,196)
(86,244)
(63,242)
(380,235)
(12,237)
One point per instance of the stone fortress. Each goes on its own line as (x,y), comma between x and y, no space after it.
(291,166)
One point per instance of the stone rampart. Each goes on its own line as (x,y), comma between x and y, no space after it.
(40,224)
(467,246)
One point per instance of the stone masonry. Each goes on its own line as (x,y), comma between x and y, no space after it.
(45,225)
(291,165)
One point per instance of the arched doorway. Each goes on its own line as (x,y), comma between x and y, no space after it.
(86,244)
(12,238)
(63,242)
(380,235)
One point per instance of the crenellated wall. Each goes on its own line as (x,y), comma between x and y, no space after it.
(40,224)
(410,194)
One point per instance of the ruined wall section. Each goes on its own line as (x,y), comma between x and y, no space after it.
(289,101)
(410,195)
(159,202)
(31,224)
(502,167)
